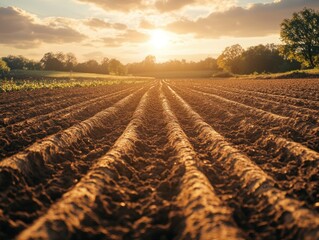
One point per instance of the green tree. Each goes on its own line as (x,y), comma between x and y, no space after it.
(4,69)
(301,37)
(15,62)
(230,58)
(265,58)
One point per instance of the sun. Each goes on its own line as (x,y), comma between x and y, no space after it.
(159,39)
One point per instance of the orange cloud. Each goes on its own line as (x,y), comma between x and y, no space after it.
(22,30)
(119,5)
(96,23)
(130,36)
(159,5)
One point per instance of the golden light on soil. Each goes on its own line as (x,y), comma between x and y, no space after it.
(159,39)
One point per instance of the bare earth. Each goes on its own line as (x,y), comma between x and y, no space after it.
(170,159)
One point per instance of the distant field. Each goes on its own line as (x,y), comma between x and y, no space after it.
(58,74)
(30,80)
(179,74)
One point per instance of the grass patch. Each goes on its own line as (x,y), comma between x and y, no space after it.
(38,74)
(309,73)
(223,75)
(31,80)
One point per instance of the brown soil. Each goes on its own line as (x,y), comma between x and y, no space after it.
(171,159)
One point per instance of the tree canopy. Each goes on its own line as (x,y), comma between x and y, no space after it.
(260,58)
(301,37)
(3,68)
(230,58)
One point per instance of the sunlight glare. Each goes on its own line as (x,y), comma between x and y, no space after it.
(159,39)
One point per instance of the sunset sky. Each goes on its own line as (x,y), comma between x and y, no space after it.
(129,30)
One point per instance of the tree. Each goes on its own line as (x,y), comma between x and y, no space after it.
(149,63)
(52,61)
(90,66)
(69,61)
(301,37)
(105,65)
(116,67)
(4,69)
(265,58)
(15,62)
(230,58)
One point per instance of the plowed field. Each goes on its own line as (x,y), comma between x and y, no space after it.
(168,159)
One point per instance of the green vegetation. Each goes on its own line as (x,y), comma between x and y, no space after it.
(301,37)
(30,80)
(260,58)
(230,58)
(309,73)
(39,74)
(4,69)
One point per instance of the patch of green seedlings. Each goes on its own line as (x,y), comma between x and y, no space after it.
(17,85)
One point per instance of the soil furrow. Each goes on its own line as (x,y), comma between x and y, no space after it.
(272,106)
(276,89)
(306,132)
(291,164)
(33,158)
(297,104)
(75,209)
(263,201)
(20,112)
(57,165)
(20,135)
(206,217)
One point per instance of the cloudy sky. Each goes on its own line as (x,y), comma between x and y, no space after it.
(129,30)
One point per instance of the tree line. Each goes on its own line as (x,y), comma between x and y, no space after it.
(65,62)
(300,49)
(149,64)
(256,59)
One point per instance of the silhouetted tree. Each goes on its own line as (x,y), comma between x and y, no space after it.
(52,62)
(116,67)
(15,62)
(20,62)
(90,66)
(70,61)
(105,66)
(301,37)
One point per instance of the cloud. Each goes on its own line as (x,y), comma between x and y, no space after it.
(130,36)
(146,24)
(257,20)
(119,26)
(96,23)
(118,5)
(22,30)
(159,5)
(170,5)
